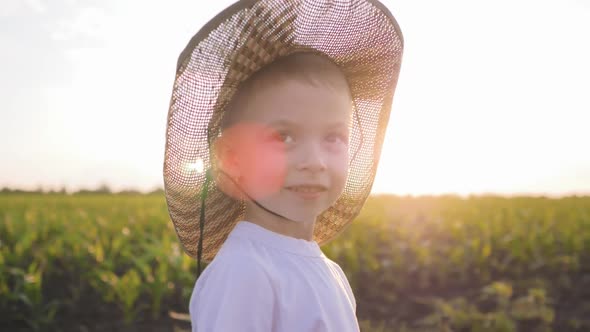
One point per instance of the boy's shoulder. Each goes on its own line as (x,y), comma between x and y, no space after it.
(336,267)
(230,260)
(231,265)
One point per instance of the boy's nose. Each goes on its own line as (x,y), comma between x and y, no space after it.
(311,158)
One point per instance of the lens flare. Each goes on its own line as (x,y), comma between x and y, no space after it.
(196,166)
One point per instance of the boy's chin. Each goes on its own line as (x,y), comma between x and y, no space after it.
(293,209)
(309,216)
(296,214)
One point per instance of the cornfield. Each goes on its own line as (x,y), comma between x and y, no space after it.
(111,262)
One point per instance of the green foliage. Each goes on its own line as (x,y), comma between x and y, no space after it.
(505,314)
(99,253)
(513,264)
(416,264)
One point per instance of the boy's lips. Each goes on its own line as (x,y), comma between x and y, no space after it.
(307,188)
(307,191)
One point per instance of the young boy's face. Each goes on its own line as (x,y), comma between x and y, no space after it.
(292,154)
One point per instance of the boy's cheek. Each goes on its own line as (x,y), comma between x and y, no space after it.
(260,175)
(260,168)
(340,174)
(264,170)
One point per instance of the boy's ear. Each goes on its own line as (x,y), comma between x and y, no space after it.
(226,167)
(226,155)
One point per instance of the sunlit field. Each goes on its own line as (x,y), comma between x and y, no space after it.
(112,263)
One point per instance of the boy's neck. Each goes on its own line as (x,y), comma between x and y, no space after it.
(295,229)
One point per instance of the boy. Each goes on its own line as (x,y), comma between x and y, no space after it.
(276,123)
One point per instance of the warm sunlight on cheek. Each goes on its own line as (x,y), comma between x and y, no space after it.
(264,170)
(259,167)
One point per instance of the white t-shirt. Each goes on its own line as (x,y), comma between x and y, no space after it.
(265,281)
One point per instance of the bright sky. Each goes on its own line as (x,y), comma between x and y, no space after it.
(494,96)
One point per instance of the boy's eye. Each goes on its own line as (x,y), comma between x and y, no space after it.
(282,137)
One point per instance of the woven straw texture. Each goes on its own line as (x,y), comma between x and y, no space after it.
(360,36)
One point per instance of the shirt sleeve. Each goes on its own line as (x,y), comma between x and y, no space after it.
(236,296)
(349,291)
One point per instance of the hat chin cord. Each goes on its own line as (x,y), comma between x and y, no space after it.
(204,192)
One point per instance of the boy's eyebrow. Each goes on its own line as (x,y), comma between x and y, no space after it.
(282,122)
(287,123)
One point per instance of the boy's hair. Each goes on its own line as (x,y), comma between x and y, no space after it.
(306,67)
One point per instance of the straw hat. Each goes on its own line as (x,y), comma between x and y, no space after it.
(360,36)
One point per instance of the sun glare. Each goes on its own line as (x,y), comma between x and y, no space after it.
(196,166)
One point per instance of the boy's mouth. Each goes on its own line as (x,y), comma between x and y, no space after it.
(307,188)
